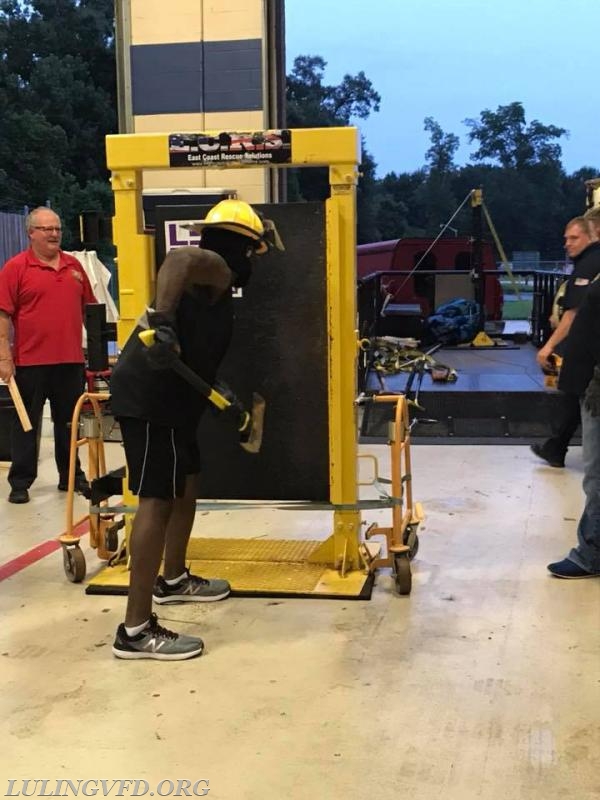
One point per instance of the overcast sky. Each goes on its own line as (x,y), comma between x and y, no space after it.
(451,59)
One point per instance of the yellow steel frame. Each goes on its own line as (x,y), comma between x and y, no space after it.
(339,150)
(593,192)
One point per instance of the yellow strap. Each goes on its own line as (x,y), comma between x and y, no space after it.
(505,263)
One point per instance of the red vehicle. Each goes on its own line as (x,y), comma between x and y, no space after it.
(430,291)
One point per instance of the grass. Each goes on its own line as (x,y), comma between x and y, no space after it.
(521,308)
(517,309)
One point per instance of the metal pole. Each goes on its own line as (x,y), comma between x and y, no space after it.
(477,275)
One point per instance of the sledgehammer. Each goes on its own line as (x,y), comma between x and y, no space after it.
(249,423)
(18,404)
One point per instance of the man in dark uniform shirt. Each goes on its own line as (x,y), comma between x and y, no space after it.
(585,253)
(159,414)
(580,376)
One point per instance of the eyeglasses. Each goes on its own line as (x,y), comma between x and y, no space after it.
(48,228)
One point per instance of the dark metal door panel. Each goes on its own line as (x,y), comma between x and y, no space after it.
(279,349)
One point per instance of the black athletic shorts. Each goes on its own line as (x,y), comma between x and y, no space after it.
(158,458)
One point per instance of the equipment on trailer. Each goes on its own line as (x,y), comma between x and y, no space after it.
(432,272)
(386,355)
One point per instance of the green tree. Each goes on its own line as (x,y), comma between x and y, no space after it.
(310,103)
(391,217)
(435,195)
(519,169)
(504,137)
(418,203)
(313,104)
(440,156)
(400,212)
(58,102)
(368,224)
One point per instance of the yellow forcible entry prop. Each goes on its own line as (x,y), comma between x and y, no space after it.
(342,565)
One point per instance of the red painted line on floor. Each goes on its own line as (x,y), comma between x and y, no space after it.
(40,551)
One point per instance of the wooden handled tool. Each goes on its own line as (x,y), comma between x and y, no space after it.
(250,423)
(19,405)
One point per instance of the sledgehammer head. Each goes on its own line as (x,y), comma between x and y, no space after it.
(251,430)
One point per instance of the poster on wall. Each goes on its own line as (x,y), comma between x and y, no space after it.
(179,233)
(230,148)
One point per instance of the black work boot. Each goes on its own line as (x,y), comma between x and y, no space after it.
(18,496)
(545,453)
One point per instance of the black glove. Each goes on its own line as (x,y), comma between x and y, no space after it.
(165,349)
(236,411)
(226,392)
(591,399)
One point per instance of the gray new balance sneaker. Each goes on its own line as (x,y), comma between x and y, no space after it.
(191,589)
(156,642)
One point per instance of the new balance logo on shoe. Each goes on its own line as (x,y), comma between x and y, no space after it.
(192,588)
(156,642)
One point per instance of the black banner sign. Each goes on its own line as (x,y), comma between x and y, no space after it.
(247,148)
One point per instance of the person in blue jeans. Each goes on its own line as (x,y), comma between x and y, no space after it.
(582,247)
(583,560)
(580,375)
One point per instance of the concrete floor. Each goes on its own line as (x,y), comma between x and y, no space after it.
(484,683)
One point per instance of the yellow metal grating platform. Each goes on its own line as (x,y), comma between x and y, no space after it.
(277,550)
(254,567)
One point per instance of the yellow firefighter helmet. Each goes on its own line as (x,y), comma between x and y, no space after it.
(236,216)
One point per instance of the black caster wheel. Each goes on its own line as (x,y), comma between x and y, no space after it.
(402,574)
(411,539)
(74,563)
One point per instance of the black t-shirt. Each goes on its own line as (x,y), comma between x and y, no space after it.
(161,396)
(585,268)
(582,349)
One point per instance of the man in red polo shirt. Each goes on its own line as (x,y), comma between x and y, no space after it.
(43,292)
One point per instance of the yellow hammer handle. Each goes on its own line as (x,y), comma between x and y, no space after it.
(147,337)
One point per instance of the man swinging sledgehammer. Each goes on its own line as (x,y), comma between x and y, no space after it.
(162,383)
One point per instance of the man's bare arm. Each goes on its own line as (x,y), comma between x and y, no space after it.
(557,336)
(189,266)
(7,368)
